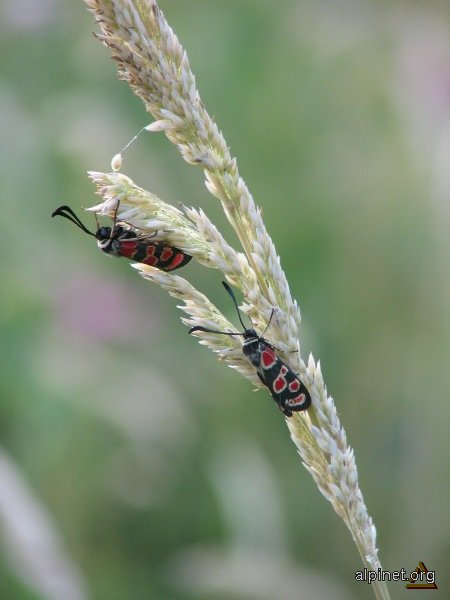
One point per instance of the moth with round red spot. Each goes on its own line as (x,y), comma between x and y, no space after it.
(289,393)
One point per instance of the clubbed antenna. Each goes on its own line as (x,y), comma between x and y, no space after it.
(66,212)
(233,297)
(206,330)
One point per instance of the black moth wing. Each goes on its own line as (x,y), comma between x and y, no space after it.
(289,393)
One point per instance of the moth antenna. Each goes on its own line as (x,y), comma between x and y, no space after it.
(206,330)
(66,212)
(114,221)
(233,297)
(268,324)
(115,214)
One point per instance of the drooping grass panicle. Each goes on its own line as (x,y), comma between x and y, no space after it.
(151,59)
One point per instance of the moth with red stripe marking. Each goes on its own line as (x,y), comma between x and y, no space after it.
(289,393)
(119,241)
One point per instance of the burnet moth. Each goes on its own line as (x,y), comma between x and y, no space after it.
(118,241)
(289,393)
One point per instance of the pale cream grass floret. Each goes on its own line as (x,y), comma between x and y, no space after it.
(116,162)
(201,310)
(336,476)
(152,61)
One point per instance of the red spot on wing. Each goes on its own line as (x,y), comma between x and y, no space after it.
(150,250)
(152,261)
(283,370)
(178,259)
(166,254)
(297,401)
(279,384)
(127,249)
(268,358)
(294,386)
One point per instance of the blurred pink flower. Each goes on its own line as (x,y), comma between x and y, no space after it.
(99,308)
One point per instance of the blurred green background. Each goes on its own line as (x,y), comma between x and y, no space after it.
(133,464)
